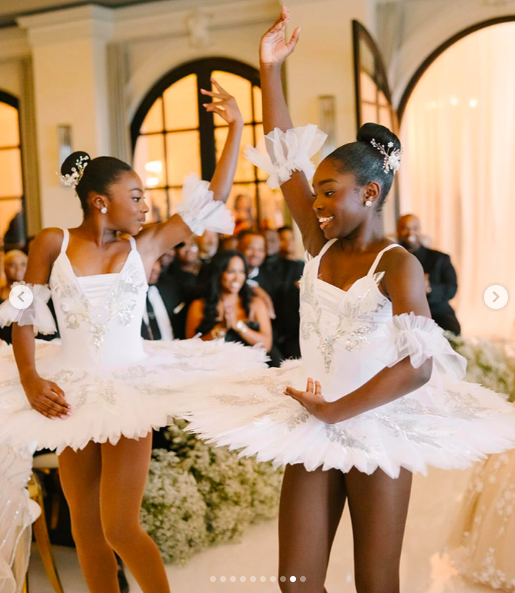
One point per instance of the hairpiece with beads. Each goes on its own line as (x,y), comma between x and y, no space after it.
(392,157)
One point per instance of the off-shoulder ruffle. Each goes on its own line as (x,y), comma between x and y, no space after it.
(421,338)
(200,211)
(37,314)
(281,153)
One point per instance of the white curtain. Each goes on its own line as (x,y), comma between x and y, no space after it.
(458,172)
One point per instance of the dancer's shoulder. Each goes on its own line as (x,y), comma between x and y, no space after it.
(48,240)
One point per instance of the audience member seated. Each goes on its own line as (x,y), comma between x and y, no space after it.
(160,303)
(441,279)
(272,243)
(243,214)
(287,244)
(229,309)
(167,260)
(208,245)
(228,243)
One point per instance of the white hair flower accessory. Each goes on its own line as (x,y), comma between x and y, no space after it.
(392,158)
(72,179)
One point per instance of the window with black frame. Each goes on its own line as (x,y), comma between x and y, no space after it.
(12,222)
(172,135)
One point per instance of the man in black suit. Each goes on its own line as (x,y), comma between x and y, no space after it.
(441,279)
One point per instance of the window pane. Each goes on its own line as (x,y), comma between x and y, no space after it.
(368,88)
(382,99)
(181,104)
(175,198)
(149,159)
(262,175)
(272,206)
(153,121)
(385,117)
(244,169)
(8,210)
(9,131)
(241,199)
(10,174)
(258,104)
(241,89)
(183,156)
(369,113)
(158,206)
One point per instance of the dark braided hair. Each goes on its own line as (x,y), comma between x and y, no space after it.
(212,290)
(98,176)
(365,161)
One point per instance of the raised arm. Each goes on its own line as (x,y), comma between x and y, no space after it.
(160,238)
(273,51)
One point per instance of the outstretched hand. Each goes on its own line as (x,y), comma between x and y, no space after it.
(225,104)
(312,400)
(274,48)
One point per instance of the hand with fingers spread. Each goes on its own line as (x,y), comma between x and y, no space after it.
(274,48)
(46,397)
(312,400)
(225,105)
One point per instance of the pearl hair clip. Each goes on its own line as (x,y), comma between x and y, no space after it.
(392,158)
(72,179)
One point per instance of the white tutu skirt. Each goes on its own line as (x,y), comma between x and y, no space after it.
(445,424)
(110,402)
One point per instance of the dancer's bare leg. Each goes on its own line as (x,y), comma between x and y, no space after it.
(378,506)
(124,475)
(80,478)
(310,511)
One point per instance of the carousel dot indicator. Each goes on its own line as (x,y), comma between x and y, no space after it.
(303,579)
(283,579)
(213,579)
(243,579)
(262,579)
(233,579)
(293,579)
(272,579)
(222,579)
(252,579)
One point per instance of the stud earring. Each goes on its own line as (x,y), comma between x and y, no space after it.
(104,210)
(368,203)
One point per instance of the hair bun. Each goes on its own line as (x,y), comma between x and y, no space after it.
(380,134)
(71,161)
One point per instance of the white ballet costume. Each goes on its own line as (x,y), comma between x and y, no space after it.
(347,337)
(115,382)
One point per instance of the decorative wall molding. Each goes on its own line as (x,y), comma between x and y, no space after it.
(14,44)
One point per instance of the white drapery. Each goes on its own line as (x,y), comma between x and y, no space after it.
(458,171)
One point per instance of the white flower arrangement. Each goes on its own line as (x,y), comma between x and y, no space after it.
(199,495)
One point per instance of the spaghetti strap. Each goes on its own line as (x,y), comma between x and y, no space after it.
(132,241)
(326,247)
(379,256)
(66,240)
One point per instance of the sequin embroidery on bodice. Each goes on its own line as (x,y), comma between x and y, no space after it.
(102,331)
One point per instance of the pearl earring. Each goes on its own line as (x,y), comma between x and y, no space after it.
(368,203)
(104,210)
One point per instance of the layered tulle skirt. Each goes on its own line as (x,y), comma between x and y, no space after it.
(110,402)
(448,423)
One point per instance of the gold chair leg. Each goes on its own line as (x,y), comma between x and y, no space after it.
(56,500)
(25,586)
(40,531)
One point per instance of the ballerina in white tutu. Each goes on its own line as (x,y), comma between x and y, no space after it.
(96,396)
(388,398)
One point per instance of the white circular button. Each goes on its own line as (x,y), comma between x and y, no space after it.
(21,296)
(496,296)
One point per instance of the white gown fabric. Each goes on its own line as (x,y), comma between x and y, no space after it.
(15,517)
(116,383)
(347,337)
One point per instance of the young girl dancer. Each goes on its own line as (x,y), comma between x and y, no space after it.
(97,397)
(392,401)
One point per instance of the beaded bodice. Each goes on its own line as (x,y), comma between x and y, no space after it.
(339,330)
(106,332)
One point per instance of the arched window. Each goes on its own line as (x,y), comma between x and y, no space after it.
(11,179)
(172,135)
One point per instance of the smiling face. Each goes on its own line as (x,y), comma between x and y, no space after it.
(339,202)
(126,206)
(234,276)
(408,232)
(15,264)
(253,248)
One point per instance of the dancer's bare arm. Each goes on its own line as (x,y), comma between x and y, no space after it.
(273,51)
(44,396)
(160,238)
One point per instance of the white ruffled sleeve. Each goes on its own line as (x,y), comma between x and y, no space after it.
(200,211)
(37,314)
(421,338)
(281,153)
